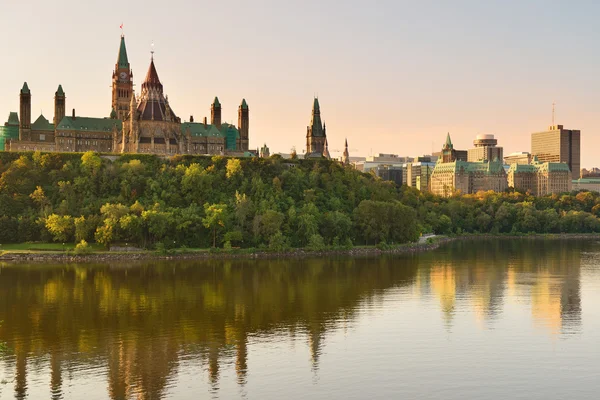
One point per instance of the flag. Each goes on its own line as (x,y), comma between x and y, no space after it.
(121,26)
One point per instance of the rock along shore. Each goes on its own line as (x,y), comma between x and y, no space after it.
(412,248)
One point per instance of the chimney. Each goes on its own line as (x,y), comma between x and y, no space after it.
(205,122)
(73,113)
(191,118)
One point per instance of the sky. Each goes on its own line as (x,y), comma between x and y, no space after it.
(391,76)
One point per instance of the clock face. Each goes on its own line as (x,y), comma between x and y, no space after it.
(123,76)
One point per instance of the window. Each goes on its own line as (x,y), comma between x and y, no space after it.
(42,137)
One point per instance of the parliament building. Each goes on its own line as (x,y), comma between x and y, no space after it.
(146,124)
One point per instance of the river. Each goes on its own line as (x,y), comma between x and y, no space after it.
(482,319)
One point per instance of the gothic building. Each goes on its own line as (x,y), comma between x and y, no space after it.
(346,155)
(316,135)
(146,124)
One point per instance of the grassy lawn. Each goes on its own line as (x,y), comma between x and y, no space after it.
(43,247)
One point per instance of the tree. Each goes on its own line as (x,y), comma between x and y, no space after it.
(214,219)
(234,167)
(61,227)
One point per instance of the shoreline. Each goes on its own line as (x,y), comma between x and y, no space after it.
(9,257)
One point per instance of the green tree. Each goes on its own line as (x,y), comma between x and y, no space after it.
(61,227)
(214,219)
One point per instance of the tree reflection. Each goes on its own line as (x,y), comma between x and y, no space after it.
(139,321)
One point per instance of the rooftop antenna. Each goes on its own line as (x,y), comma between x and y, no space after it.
(553,112)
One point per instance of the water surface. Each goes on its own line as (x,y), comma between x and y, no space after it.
(501,319)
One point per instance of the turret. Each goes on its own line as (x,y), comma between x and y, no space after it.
(244,126)
(59,105)
(25,111)
(215,113)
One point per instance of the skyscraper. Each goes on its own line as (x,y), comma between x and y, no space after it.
(558,145)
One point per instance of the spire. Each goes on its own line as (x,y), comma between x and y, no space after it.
(25,89)
(326,150)
(60,91)
(113,114)
(244,104)
(152,75)
(216,103)
(448,141)
(122,61)
(316,108)
(346,155)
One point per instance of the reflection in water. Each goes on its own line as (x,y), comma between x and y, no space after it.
(141,323)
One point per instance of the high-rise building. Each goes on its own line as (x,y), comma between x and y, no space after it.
(558,145)
(486,149)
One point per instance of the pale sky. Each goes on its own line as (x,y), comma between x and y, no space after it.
(392,76)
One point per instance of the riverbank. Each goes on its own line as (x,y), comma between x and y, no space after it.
(428,244)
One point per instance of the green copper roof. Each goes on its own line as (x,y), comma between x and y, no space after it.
(448,140)
(113,114)
(42,124)
(316,107)
(13,119)
(122,61)
(25,88)
(216,102)
(583,180)
(60,91)
(244,104)
(199,129)
(484,167)
(89,124)
(536,167)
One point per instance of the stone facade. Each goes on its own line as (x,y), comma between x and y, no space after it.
(316,135)
(467,177)
(144,125)
(540,179)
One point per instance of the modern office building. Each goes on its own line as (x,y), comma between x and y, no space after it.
(558,145)
(540,179)
(418,174)
(485,149)
(522,157)
(390,173)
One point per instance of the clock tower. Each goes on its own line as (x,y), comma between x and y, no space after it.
(122,87)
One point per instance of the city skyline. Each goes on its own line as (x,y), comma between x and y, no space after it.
(410,74)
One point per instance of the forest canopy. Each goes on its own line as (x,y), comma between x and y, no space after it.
(200,202)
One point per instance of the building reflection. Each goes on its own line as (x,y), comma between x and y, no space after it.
(139,321)
(142,322)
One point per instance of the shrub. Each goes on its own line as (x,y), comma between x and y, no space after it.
(83,248)
(278,242)
(316,243)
